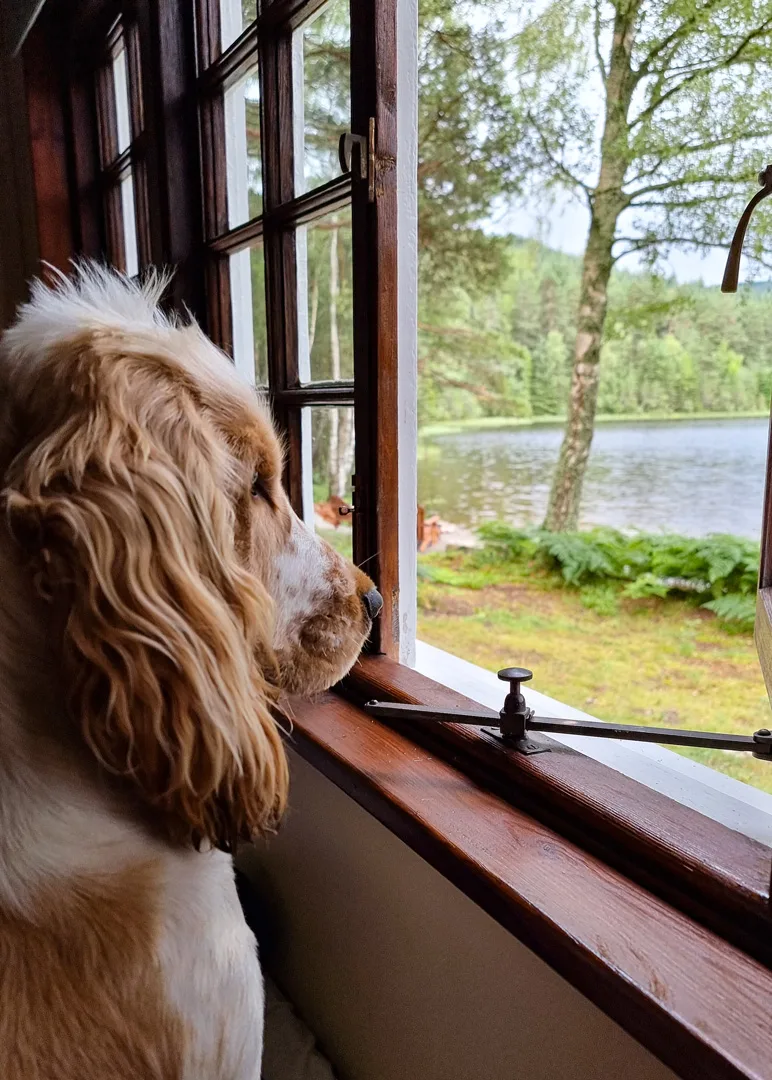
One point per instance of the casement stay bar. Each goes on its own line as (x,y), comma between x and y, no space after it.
(516,722)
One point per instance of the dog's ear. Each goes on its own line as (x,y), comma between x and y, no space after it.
(123,505)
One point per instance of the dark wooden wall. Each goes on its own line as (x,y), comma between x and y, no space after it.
(18,226)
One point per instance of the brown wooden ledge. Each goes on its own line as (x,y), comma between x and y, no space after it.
(696,1001)
(712,873)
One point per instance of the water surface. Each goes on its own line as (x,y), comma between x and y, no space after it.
(692,477)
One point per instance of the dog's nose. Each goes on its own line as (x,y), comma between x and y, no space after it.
(373,602)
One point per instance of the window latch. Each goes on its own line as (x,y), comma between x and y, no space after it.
(365,147)
(515,722)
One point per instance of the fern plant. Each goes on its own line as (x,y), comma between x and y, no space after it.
(719,572)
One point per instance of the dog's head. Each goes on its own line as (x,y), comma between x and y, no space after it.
(141,480)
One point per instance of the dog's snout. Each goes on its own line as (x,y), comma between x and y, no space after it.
(372,602)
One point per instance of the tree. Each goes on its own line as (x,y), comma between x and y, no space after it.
(466,123)
(549,382)
(685,88)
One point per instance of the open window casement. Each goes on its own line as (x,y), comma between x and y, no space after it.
(763,627)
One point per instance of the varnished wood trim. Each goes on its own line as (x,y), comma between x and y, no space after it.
(718,876)
(314,204)
(374,241)
(243,236)
(168,50)
(301,211)
(45,88)
(320,393)
(232,65)
(288,14)
(279,246)
(700,1004)
(118,169)
(86,189)
(207,15)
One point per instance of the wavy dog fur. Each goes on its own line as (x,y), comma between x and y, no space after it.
(158,594)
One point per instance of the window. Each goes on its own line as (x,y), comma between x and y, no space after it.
(290,259)
(300,262)
(120,125)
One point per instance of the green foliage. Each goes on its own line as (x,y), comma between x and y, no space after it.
(683,134)
(718,572)
(326,91)
(602,599)
(669,348)
(735,608)
(468,122)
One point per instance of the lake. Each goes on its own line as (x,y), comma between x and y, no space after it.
(692,477)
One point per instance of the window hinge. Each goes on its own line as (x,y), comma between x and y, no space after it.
(516,721)
(365,146)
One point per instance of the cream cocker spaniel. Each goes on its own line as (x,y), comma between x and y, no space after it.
(157,593)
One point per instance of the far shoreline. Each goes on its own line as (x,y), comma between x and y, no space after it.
(495,423)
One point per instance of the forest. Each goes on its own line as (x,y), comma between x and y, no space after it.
(667,348)
(504,348)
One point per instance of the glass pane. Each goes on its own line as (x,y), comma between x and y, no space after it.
(129,226)
(121,84)
(235,17)
(322,94)
(242,150)
(250,343)
(332,464)
(325,291)
(627,586)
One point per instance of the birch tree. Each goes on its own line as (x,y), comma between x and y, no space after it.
(657,114)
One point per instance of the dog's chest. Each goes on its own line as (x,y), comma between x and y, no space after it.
(211,970)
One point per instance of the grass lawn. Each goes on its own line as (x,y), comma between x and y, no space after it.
(660,662)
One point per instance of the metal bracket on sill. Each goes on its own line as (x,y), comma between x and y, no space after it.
(516,721)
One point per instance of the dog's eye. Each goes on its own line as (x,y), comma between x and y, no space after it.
(258,487)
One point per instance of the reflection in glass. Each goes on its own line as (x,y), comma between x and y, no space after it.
(325,292)
(235,17)
(122,115)
(322,93)
(242,150)
(332,465)
(250,347)
(129,226)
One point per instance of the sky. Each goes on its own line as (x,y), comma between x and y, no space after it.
(566,231)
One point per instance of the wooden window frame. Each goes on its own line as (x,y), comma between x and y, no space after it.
(659,852)
(116,165)
(373,392)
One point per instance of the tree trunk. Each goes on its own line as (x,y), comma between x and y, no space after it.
(607,203)
(333,466)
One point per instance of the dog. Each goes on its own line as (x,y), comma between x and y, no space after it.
(157,597)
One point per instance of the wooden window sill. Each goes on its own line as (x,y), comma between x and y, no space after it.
(697,1001)
(710,872)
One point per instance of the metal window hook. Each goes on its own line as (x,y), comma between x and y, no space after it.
(732,271)
(516,721)
(364,145)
